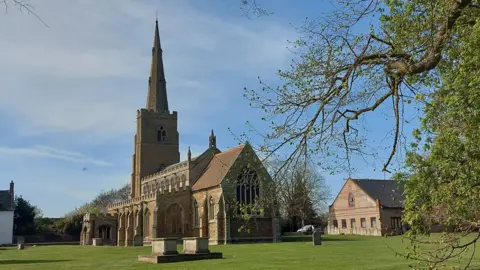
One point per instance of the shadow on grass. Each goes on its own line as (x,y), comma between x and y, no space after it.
(308,238)
(3,262)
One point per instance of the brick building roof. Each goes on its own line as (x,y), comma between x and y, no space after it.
(388,192)
(217,168)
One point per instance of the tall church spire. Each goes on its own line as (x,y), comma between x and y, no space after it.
(157,86)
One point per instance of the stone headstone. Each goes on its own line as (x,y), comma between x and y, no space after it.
(20,246)
(317,238)
(137,240)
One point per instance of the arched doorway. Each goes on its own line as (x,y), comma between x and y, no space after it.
(174,220)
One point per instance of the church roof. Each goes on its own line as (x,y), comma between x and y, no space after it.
(5,200)
(388,192)
(217,168)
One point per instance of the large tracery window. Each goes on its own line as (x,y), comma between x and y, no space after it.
(248,188)
(161,134)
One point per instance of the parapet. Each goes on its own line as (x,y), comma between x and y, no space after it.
(143,198)
(149,112)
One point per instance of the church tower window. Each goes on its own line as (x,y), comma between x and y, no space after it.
(161,134)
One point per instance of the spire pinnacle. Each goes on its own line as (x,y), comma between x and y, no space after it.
(189,155)
(157,87)
(212,142)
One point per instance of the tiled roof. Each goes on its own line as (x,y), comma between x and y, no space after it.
(217,168)
(388,192)
(5,200)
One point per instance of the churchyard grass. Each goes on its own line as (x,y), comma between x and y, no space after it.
(337,252)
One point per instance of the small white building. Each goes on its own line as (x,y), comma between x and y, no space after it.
(7,207)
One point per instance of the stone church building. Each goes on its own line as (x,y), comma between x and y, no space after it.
(202,196)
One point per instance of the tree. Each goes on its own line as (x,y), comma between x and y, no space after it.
(415,53)
(22,6)
(301,193)
(24,217)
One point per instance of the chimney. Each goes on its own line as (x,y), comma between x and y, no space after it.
(12,194)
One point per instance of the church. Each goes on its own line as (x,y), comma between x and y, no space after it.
(221,195)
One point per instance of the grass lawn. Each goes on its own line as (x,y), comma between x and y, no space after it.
(337,252)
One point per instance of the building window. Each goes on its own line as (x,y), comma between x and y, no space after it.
(335,224)
(373,222)
(211,209)
(363,222)
(184,181)
(353,223)
(248,188)
(395,222)
(161,134)
(344,223)
(146,223)
(351,200)
(196,220)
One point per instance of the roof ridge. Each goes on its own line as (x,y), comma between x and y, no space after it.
(230,149)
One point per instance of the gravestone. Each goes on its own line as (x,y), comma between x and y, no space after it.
(317,238)
(20,246)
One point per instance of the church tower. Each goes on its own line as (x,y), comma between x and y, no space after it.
(157,139)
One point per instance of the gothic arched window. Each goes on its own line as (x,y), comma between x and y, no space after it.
(184,181)
(177,183)
(196,221)
(211,209)
(161,134)
(162,186)
(351,200)
(248,188)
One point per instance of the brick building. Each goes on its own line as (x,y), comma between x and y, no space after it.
(196,197)
(367,207)
(7,207)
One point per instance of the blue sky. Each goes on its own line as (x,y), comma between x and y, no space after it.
(70,92)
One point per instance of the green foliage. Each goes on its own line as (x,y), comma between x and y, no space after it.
(418,52)
(24,217)
(444,186)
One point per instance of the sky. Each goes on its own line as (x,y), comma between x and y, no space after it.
(69,92)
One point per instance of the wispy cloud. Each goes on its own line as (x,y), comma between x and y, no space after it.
(42,151)
(88,72)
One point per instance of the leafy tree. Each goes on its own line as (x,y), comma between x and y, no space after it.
(24,217)
(394,55)
(302,193)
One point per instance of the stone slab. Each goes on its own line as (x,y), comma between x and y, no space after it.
(317,238)
(97,242)
(164,246)
(179,258)
(195,245)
